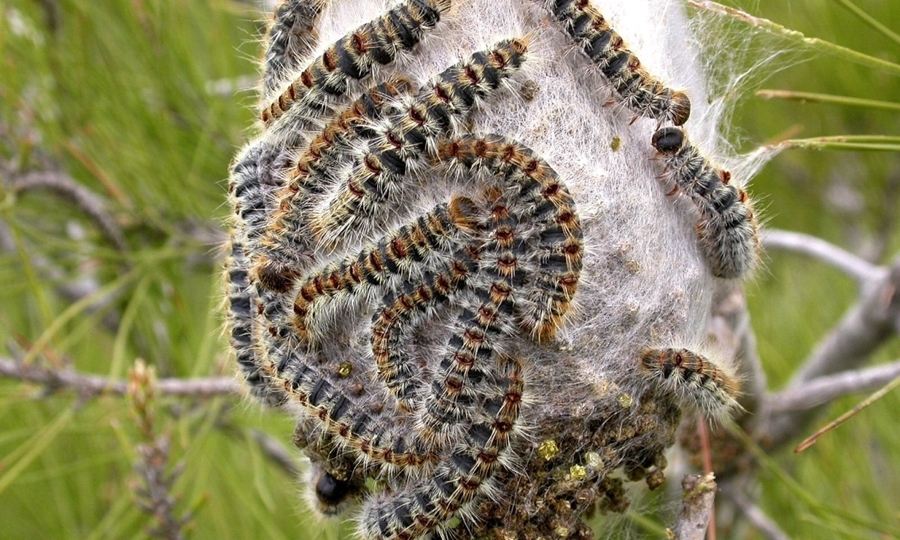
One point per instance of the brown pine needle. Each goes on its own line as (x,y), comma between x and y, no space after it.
(846,416)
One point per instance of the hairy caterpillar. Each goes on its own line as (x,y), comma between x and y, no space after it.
(727,228)
(639,90)
(352,57)
(695,381)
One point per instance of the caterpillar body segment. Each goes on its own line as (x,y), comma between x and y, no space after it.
(434,113)
(696,382)
(536,231)
(255,176)
(689,169)
(727,228)
(240,309)
(461,478)
(287,232)
(332,144)
(253,179)
(466,373)
(351,417)
(639,91)
(729,234)
(403,312)
(291,37)
(353,56)
(408,251)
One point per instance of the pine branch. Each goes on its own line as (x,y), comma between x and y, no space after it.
(823,390)
(857,268)
(90,386)
(81,197)
(867,325)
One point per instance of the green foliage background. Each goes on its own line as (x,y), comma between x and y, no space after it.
(120,94)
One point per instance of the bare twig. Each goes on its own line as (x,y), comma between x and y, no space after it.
(755,515)
(707,470)
(85,199)
(88,386)
(699,493)
(88,202)
(730,331)
(859,269)
(865,327)
(95,385)
(825,389)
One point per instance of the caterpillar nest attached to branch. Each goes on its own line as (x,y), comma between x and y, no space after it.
(456,258)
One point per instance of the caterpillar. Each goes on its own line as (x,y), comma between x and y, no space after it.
(639,91)
(694,381)
(353,56)
(727,228)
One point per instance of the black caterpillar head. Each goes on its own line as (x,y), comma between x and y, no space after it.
(668,140)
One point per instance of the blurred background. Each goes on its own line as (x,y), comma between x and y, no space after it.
(117,123)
